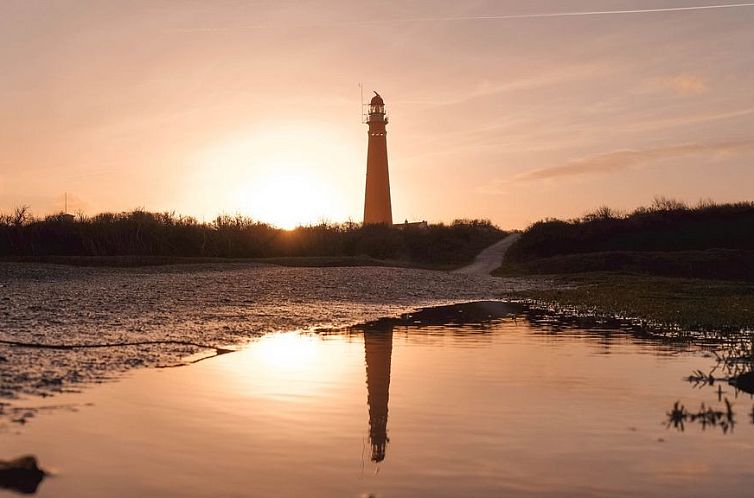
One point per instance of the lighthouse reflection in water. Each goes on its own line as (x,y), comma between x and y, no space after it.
(378,349)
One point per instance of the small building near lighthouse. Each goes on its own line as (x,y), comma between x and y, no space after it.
(377,205)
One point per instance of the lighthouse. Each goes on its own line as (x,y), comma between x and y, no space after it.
(377,207)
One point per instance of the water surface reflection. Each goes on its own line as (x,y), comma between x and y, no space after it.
(378,349)
(483,400)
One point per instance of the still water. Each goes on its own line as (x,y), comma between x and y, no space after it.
(481,400)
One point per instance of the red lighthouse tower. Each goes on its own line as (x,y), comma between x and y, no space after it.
(377,207)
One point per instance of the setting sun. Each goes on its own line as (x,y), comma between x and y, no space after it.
(290,175)
(291,197)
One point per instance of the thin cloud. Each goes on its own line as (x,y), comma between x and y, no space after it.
(575,72)
(683,85)
(686,84)
(623,159)
(678,121)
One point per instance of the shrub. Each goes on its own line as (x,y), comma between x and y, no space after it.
(142,233)
(667,225)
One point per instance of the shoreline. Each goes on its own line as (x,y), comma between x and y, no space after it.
(165,308)
(164,342)
(17,411)
(440,313)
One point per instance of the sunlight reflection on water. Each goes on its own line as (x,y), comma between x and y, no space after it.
(487,405)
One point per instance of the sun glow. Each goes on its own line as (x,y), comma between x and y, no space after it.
(292,366)
(289,350)
(288,197)
(288,176)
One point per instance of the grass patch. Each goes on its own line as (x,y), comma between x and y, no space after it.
(717,264)
(691,304)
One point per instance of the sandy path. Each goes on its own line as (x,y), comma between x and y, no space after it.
(491,258)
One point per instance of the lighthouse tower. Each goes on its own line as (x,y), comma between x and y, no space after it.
(377,207)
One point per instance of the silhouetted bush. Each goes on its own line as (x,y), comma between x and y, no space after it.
(668,238)
(665,226)
(167,235)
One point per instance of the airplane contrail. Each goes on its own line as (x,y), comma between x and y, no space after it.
(502,17)
(573,14)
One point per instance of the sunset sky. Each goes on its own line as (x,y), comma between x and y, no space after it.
(253,106)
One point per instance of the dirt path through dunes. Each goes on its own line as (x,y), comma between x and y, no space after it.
(491,258)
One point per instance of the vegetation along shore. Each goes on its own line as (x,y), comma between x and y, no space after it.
(145,238)
(671,264)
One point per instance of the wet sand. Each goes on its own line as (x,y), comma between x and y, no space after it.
(211,305)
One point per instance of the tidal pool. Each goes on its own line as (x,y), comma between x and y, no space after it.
(478,400)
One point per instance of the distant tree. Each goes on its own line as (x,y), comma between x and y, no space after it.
(21,216)
(602,213)
(662,203)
